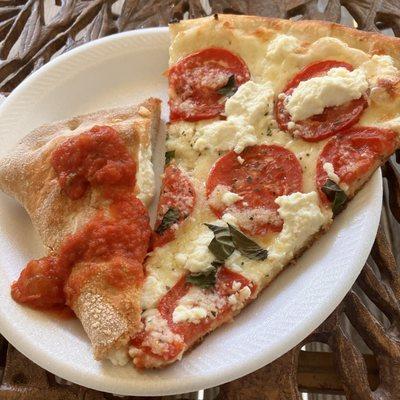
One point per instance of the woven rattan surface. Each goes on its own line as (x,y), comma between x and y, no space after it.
(363,334)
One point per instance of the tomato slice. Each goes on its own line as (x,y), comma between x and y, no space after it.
(177,193)
(195,80)
(354,153)
(332,120)
(266,173)
(189,330)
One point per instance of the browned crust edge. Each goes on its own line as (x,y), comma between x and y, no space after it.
(309,30)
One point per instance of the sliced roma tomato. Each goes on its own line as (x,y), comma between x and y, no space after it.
(332,120)
(189,330)
(354,153)
(266,173)
(178,195)
(195,80)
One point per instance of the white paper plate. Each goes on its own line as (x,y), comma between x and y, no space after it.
(124,69)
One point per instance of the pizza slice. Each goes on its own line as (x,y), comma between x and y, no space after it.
(85,183)
(274,126)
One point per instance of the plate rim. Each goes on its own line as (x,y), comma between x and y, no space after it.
(67,371)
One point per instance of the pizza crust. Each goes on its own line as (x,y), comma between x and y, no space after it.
(249,37)
(25,173)
(109,316)
(265,28)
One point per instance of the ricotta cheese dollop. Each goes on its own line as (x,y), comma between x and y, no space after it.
(199,258)
(302,218)
(337,87)
(245,112)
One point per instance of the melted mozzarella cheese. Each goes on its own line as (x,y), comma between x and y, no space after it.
(328,168)
(145,176)
(379,67)
(286,55)
(119,357)
(153,290)
(282,47)
(198,258)
(337,87)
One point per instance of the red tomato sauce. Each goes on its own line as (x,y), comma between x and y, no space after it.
(114,241)
(98,157)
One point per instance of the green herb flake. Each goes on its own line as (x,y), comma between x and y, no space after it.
(336,195)
(221,246)
(169,156)
(230,88)
(204,280)
(246,246)
(227,239)
(170,218)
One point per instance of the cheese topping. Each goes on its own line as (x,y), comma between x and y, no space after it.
(119,357)
(159,334)
(328,168)
(303,218)
(379,67)
(282,47)
(234,133)
(244,111)
(196,305)
(252,101)
(153,290)
(145,176)
(337,87)
(221,197)
(199,258)
(248,217)
(188,314)
(238,299)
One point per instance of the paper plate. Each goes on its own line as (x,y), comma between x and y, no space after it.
(124,69)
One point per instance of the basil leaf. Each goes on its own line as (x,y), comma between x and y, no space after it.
(169,218)
(169,155)
(221,246)
(204,280)
(336,195)
(246,246)
(230,88)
